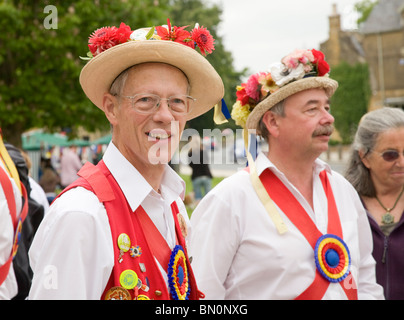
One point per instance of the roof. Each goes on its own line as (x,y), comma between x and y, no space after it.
(385,17)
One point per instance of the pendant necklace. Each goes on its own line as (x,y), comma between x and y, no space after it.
(388,218)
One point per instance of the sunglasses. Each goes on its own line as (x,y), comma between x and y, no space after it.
(390,155)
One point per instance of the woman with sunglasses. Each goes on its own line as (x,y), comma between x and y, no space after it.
(376,170)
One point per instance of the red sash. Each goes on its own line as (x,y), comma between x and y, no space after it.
(122,219)
(7,187)
(285,200)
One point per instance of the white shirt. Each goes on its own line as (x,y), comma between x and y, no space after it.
(9,287)
(238,253)
(72,254)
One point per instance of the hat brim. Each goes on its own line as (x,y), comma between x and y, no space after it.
(326,83)
(206,85)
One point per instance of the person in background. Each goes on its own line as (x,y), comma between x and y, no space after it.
(70,164)
(376,170)
(49,182)
(288,227)
(37,192)
(199,162)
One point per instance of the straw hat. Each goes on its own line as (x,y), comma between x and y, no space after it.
(328,84)
(301,70)
(109,57)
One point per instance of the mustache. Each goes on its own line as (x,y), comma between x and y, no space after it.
(325,130)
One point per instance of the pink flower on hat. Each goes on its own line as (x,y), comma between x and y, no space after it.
(304,57)
(253,87)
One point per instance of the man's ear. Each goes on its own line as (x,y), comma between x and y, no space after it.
(270,120)
(110,106)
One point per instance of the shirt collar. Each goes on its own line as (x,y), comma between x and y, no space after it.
(262,162)
(134,186)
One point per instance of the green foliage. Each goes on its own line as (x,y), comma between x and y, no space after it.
(364,8)
(40,66)
(351,100)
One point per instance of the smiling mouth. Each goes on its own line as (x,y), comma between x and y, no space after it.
(154,136)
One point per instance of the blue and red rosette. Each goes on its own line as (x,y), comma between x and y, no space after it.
(332,258)
(178,279)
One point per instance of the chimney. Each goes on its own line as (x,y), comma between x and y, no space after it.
(334,44)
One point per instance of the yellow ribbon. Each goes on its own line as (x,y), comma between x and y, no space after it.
(262,193)
(9,164)
(218,116)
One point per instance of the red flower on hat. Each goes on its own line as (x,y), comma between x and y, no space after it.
(322,65)
(123,33)
(242,95)
(176,34)
(107,37)
(203,40)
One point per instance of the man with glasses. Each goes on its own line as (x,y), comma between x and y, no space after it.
(289,226)
(119,232)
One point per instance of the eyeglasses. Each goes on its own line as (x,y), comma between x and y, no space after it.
(390,155)
(147,103)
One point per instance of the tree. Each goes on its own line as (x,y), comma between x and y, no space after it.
(364,8)
(350,101)
(40,47)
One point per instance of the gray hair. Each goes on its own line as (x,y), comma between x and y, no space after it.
(370,127)
(278,109)
(119,82)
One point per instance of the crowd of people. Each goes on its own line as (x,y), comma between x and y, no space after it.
(285,227)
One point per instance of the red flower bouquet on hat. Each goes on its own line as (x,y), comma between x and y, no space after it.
(249,94)
(107,37)
(199,36)
(297,65)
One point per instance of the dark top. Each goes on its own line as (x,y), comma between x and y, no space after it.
(199,165)
(388,251)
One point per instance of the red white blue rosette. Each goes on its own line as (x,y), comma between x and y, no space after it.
(332,258)
(178,280)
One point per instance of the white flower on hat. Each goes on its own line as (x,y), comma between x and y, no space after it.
(144,34)
(282,75)
(139,34)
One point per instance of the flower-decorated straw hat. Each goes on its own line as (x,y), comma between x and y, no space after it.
(113,50)
(300,70)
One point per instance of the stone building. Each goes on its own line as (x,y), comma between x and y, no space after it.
(379,41)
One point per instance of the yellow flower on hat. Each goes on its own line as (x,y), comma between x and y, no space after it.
(240,113)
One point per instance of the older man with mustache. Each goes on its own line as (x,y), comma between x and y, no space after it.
(287,227)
